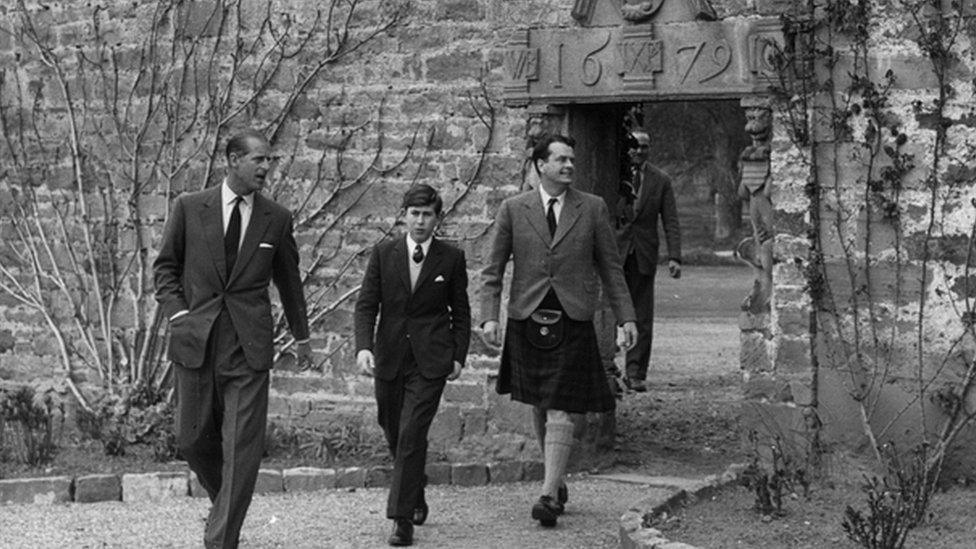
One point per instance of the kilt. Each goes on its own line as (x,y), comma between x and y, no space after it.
(569,377)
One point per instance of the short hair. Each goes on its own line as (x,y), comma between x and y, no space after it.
(541,149)
(238,143)
(422,195)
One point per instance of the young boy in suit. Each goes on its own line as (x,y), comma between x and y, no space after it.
(417,285)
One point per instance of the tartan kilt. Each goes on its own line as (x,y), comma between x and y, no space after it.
(568,378)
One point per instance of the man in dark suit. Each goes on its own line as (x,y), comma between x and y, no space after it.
(418,286)
(647,197)
(561,245)
(221,249)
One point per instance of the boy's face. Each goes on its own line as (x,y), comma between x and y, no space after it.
(421,222)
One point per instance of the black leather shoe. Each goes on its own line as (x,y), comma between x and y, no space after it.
(636,385)
(545,511)
(420,513)
(402,533)
(562,495)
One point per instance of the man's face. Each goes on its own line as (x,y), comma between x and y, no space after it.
(248,171)
(640,153)
(557,168)
(421,222)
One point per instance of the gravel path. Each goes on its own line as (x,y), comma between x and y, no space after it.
(480,517)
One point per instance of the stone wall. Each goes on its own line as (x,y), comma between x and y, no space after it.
(895,254)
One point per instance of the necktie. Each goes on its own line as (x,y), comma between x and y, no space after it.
(418,254)
(635,181)
(551,216)
(232,237)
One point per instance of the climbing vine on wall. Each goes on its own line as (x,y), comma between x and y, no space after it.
(890,224)
(100,133)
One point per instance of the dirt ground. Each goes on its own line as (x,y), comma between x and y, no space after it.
(687,423)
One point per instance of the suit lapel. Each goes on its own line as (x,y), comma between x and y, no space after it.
(212,220)
(536,215)
(568,216)
(647,180)
(400,259)
(256,227)
(434,254)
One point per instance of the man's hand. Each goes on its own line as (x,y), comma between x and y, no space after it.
(627,336)
(366,362)
(303,352)
(456,373)
(674,268)
(491,333)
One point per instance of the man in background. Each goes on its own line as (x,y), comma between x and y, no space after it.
(647,198)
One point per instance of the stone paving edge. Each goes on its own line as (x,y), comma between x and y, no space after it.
(635,535)
(155,486)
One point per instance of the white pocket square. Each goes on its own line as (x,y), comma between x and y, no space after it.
(265,245)
(439,278)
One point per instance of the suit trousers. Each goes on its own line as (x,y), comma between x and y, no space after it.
(406,406)
(221,418)
(641,287)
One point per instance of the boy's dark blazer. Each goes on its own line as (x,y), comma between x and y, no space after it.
(432,322)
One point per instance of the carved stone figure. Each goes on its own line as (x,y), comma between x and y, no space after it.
(754,186)
(641,10)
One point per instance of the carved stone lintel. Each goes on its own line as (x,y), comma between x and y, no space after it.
(521,62)
(642,56)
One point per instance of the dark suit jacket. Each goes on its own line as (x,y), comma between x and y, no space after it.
(637,226)
(572,262)
(433,322)
(190,274)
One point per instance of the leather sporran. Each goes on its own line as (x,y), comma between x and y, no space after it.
(545,328)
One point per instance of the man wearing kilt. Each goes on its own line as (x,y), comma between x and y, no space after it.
(561,244)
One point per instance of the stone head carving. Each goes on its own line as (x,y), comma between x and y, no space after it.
(759,126)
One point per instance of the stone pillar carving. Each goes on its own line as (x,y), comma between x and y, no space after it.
(756,341)
(754,186)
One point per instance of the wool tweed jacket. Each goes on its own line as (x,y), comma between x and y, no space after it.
(190,274)
(637,224)
(572,262)
(432,322)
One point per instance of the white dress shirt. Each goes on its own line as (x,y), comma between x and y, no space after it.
(415,267)
(227,197)
(557,207)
